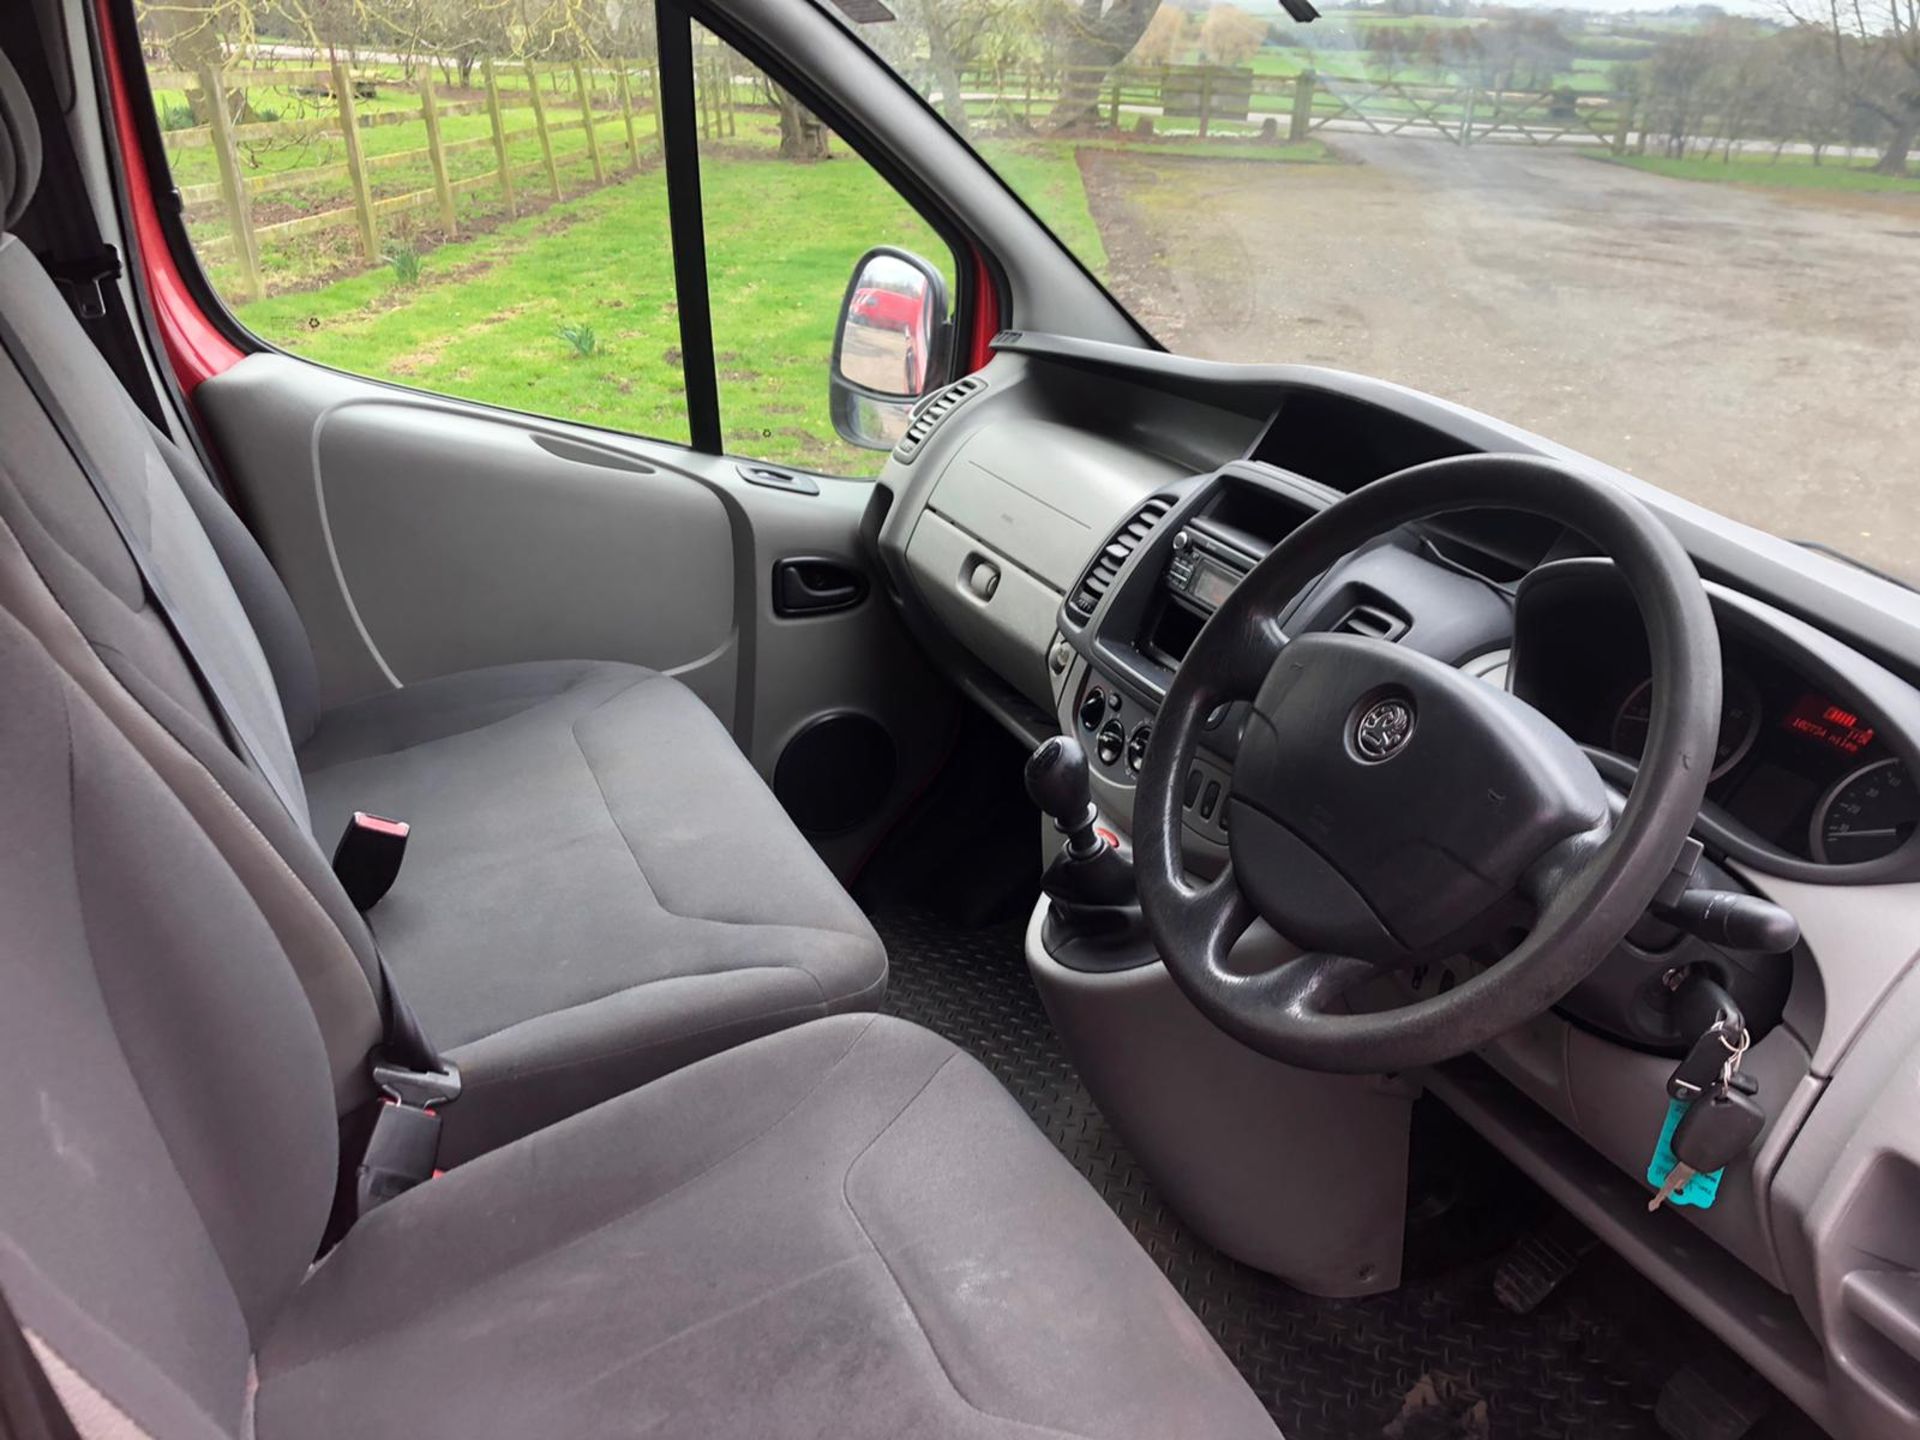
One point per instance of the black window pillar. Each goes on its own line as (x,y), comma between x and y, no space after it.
(680,139)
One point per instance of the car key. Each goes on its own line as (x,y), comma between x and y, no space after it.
(1717,1130)
(1714,1132)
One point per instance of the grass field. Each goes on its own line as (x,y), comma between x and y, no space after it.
(484,319)
(1790,172)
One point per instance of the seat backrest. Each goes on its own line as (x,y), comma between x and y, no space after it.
(210,566)
(167,1132)
(49,486)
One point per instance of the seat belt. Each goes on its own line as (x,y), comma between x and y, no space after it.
(29,1409)
(60,226)
(410,1073)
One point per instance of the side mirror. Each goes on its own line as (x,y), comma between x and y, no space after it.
(890,347)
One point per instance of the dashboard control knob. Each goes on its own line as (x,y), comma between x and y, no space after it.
(1183,540)
(1093,708)
(1137,746)
(1112,741)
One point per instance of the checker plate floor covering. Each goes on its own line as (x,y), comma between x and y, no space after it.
(1440,1357)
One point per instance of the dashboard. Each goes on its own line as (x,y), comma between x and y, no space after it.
(1059,536)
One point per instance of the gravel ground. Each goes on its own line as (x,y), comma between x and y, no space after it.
(1756,351)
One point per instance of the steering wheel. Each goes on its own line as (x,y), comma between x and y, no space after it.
(1389,810)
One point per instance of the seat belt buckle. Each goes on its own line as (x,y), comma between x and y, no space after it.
(417,1089)
(404,1149)
(85,281)
(367,860)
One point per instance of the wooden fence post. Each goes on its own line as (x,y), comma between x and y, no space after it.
(1466,116)
(540,124)
(653,104)
(1624,128)
(232,188)
(583,93)
(626,110)
(436,156)
(501,159)
(1301,121)
(1113,109)
(356,161)
(1206,97)
(1029,101)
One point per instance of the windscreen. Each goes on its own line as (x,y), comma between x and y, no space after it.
(1683,240)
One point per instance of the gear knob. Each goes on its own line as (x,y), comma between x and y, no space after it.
(1057,781)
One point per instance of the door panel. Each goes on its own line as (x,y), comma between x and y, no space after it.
(464,542)
(421,537)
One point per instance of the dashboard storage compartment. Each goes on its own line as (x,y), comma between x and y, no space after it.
(1008,622)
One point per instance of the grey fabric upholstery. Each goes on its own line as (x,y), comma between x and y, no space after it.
(261,594)
(844,1230)
(592,830)
(571,919)
(19,148)
(165,1113)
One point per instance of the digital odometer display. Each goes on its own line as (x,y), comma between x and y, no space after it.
(1815,717)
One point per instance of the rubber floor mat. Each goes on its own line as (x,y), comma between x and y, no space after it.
(1440,1357)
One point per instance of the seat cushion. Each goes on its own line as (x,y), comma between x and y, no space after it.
(598,888)
(846,1230)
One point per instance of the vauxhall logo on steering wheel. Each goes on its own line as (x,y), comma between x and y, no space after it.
(1383,727)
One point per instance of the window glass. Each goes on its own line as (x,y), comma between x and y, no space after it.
(464,197)
(1685,240)
(789,209)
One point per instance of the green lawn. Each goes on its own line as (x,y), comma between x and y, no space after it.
(484,320)
(1791,172)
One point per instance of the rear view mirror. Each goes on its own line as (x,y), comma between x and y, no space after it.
(890,347)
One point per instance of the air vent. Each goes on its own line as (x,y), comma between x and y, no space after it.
(932,413)
(1106,565)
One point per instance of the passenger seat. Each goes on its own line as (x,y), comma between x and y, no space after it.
(598,890)
(845,1230)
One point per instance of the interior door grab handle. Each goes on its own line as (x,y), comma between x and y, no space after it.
(816,585)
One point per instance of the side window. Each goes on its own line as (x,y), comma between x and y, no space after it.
(429,195)
(789,209)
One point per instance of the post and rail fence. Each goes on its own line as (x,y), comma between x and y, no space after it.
(1222,101)
(611,94)
(605,99)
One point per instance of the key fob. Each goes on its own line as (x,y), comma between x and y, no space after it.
(1700,1070)
(1718,1128)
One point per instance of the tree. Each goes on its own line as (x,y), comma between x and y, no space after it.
(1874,54)
(1230,36)
(1390,47)
(1098,36)
(1165,40)
(802,135)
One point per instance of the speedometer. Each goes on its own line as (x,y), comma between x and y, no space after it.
(1739,721)
(1870,813)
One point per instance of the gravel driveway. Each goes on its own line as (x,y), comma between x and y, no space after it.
(1757,351)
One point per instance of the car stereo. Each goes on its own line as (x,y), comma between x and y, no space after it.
(1203,570)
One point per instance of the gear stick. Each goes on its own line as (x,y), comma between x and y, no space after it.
(1057,782)
(1090,881)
